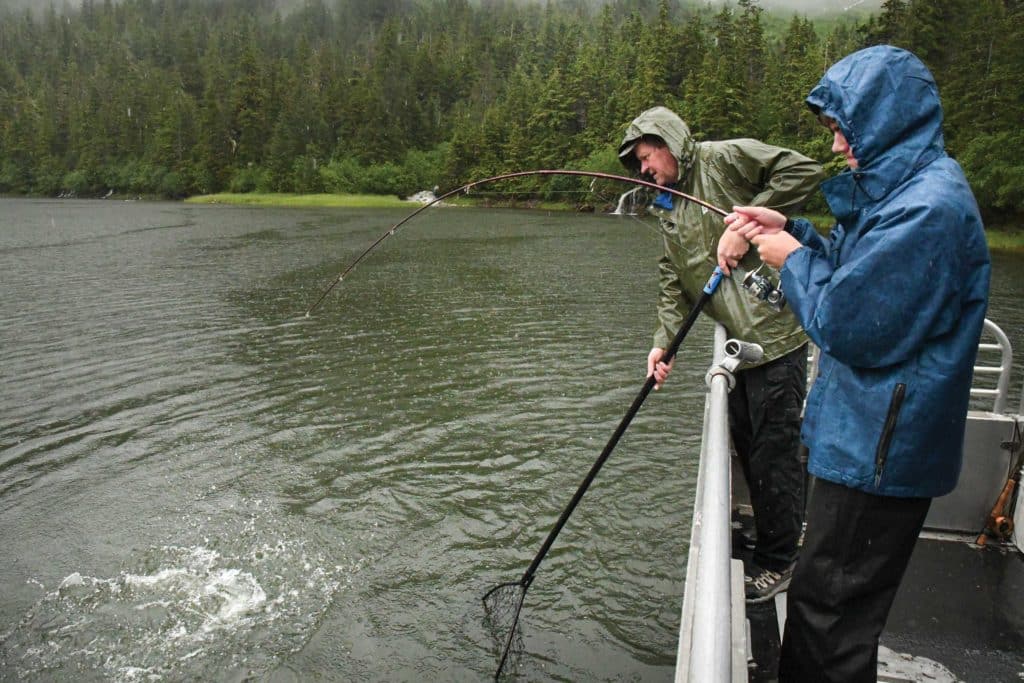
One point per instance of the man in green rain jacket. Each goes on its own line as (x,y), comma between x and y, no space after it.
(765,405)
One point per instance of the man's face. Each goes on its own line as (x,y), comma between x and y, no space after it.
(839,143)
(657,162)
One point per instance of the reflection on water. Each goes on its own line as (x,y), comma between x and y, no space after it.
(196,482)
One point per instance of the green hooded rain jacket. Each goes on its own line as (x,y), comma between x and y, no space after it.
(726,173)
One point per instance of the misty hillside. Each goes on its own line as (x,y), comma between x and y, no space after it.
(820,7)
(810,8)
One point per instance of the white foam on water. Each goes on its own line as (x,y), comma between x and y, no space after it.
(72,580)
(239,594)
(185,612)
(223,596)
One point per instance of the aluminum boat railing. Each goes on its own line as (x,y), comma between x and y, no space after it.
(985,367)
(713,630)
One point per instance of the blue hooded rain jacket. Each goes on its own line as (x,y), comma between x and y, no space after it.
(896,296)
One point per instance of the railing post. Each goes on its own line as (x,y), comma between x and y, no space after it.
(706,633)
(1003,370)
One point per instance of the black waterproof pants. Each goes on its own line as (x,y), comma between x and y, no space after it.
(764,422)
(856,549)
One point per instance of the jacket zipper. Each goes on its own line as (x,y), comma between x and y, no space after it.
(887,431)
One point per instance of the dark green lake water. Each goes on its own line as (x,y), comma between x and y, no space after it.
(199,483)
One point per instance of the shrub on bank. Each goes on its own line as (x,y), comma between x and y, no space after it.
(250,179)
(419,170)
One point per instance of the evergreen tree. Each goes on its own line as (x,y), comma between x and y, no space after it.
(250,109)
(792,72)
(176,96)
(715,103)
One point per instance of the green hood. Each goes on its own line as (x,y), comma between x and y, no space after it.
(665,124)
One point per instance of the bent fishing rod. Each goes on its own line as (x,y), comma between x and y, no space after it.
(502,597)
(506,176)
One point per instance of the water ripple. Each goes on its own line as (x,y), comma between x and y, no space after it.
(197,482)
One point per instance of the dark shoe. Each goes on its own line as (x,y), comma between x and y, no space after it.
(743,536)
(766,584)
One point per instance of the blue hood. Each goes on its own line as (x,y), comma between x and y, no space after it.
(886,104)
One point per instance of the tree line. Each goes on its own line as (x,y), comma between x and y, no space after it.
(182,97)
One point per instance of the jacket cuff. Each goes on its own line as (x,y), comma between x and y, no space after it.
(798,227)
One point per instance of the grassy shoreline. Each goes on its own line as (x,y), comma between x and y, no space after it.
(355,201)
(362,201)
(1000,237)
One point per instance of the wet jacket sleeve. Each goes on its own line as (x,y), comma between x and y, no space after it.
(896,287)
(803,230)
(783,179)
(672,305)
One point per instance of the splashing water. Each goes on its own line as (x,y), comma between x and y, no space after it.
(185,611)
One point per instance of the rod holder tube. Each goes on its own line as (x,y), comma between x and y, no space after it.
(745,352)
(737,354)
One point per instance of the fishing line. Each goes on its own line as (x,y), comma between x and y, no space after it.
(507,176)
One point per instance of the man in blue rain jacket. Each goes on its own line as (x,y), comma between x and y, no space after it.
(896,300)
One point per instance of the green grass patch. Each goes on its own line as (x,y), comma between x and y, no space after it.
(1000,238)
(352,201)
(1005,240)
(496,203)
(367,201)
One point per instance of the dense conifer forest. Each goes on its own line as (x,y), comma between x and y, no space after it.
(181,97)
